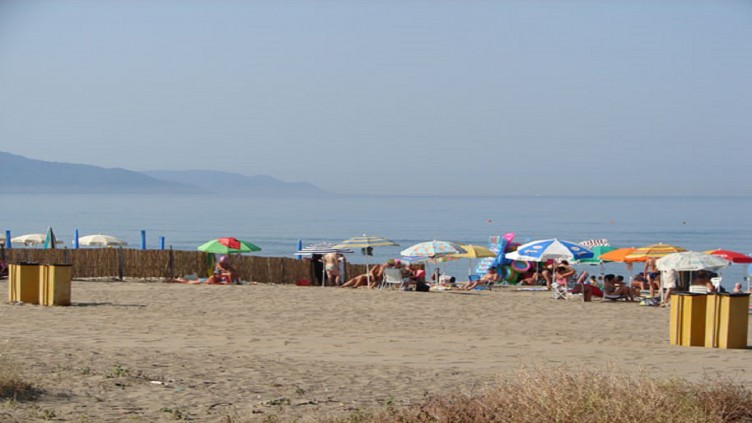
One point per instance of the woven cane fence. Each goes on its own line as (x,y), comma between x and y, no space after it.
(122,263)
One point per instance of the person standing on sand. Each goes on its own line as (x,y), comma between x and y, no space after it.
(668,280)
(651,272)
(331,266)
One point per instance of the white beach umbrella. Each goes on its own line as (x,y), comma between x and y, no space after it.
(691,261)
(31,239)
(100,240)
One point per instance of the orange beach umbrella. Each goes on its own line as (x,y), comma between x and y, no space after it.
(617,254)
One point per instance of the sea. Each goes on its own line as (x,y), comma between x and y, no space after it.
(278,224)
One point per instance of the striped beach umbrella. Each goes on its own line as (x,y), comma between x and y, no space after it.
(366,241)
(322,248)
(228,245)
(366,244)
(652,251)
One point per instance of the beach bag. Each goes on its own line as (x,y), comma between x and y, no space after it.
(422,287)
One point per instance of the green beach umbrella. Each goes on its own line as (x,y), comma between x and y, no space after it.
(50,240)
(228,245)
(597,251)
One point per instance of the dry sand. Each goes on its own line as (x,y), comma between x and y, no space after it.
(135,351)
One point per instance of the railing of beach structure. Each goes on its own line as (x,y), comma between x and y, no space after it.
(147,264)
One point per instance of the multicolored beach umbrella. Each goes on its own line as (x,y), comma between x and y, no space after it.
(551,249)
(652,251)
(433,249)
(228,245)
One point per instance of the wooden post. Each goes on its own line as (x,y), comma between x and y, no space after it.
(171,264)
(121,263)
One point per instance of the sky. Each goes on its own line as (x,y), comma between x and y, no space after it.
(409,97)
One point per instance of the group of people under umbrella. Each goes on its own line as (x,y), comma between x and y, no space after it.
(656,258)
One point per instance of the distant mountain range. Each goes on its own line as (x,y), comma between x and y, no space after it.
(21,175)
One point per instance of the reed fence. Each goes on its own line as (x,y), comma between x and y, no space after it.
(151,264)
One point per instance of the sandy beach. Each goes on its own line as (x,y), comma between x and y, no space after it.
(151,351)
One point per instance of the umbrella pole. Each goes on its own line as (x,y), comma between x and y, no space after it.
(368,274)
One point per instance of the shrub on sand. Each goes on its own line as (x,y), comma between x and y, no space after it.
(12,386)
(579,396)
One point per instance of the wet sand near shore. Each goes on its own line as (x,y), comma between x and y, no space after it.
(151,351)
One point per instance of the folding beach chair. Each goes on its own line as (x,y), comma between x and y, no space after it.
(393,277)
(559,290)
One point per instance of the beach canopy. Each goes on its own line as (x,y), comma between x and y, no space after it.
(228,245)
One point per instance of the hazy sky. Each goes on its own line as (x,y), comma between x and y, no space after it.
(379,97)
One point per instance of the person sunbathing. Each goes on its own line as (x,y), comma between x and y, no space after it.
(224,273)
(532,278)
(375,275)
(613,288)
(490,277)
(211,280)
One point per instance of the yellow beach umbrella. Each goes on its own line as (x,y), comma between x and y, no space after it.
(471,252)
(652,251)
(474,251)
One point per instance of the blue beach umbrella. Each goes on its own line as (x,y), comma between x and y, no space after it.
(551,249)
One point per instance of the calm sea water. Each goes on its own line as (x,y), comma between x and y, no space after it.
(695,223)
